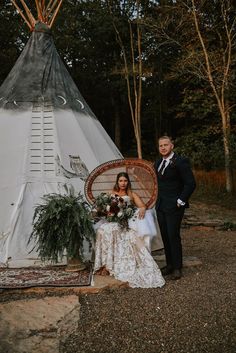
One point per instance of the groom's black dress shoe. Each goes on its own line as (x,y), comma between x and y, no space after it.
(176,274)
(165,271)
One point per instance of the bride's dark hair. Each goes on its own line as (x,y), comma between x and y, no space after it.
(125,175)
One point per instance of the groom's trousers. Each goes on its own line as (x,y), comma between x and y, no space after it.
(170,223)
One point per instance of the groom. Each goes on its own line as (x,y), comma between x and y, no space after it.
(176,183)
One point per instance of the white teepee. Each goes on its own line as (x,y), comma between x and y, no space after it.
(48,135)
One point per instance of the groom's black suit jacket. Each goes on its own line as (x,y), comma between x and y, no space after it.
(177,182)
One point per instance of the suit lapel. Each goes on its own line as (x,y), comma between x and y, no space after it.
(171,162)
(158,162)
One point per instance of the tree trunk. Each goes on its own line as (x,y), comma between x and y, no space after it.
(117,129)
(226,141)
(139,148)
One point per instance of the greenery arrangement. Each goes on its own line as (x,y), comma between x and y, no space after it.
(60,224)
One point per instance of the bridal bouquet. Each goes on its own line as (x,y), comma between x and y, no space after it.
(113,208)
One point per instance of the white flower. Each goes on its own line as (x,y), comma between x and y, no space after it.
(129,211)
(120,214)
(108,208)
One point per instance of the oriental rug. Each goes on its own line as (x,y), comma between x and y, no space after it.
(13,278)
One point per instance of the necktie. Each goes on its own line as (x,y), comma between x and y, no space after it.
(161,170)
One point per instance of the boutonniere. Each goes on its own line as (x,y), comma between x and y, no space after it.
(172,162)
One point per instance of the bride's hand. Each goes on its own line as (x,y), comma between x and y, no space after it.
(141,213)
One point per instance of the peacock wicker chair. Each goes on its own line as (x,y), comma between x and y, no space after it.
(141,173)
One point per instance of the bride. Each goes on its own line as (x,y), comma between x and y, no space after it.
(124,253)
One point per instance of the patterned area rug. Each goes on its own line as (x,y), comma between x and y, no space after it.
(11,278)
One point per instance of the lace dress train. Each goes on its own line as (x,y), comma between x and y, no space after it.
(126,256)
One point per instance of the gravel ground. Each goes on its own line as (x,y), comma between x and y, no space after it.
(195,314)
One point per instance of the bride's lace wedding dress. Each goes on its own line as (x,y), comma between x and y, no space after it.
(125,254)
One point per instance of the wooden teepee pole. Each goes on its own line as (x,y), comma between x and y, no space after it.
(48,5)
(47,10)
(51,8)
(28,12)
(51,21)
(46,13)
(39,10)
(31,20)
(43,8)
(22,15)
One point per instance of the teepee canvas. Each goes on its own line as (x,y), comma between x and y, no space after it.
(49,137)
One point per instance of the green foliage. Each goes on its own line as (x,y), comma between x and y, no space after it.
(61,224)
(229,226)
(13,35)
(205,149)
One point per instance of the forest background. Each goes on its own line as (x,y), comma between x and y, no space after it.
(149,68)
